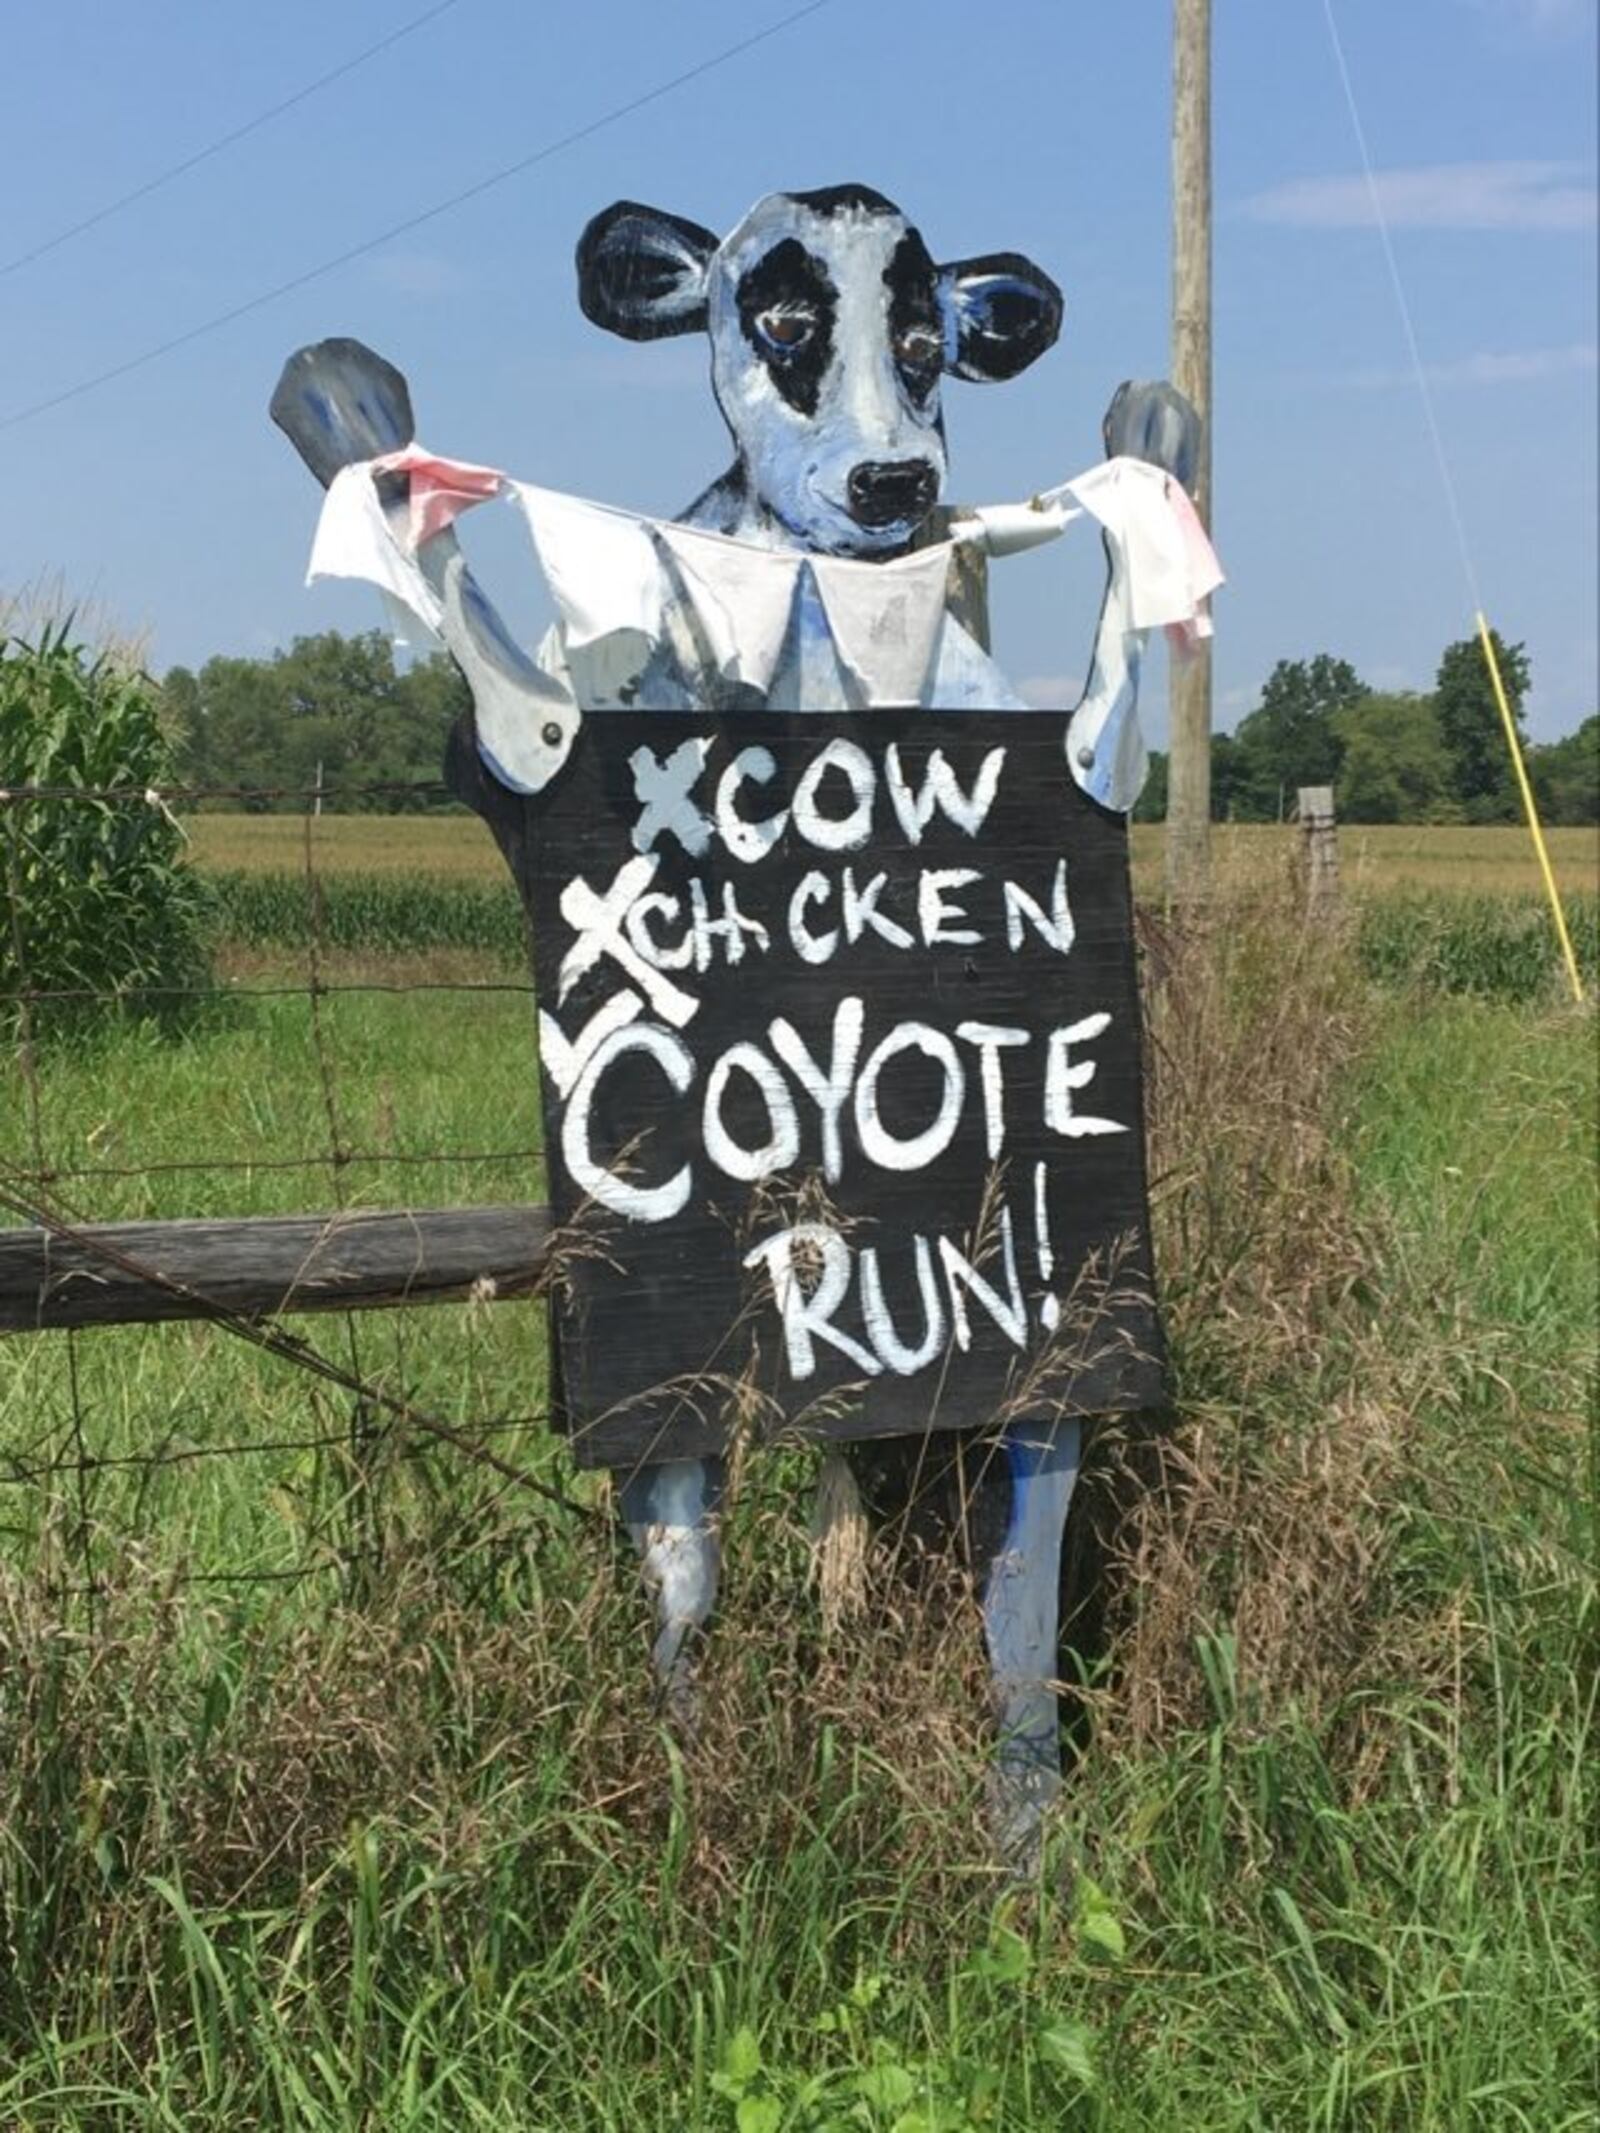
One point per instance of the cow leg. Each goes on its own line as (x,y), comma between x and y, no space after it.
(671,1511)
(1021,1620)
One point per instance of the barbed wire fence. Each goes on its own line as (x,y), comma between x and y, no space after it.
(362,1414)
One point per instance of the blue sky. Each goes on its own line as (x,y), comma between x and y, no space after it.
(1030,125)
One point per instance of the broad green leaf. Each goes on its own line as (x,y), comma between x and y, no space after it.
(1008,1958)
(741,2057)
(1103,1929)
(886,2087)
(1068,2046)
(759,2114)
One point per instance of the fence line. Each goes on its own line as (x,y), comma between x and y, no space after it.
(221,1165)
(266,992)
(166,796)
(29,1191)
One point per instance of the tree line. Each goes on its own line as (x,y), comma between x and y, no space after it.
(331,710)
(338,709)
(1395,756)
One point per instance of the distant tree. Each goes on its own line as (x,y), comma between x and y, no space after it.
(1292,737)
(1395,767)
(1566,776)
(1224,776)
(1472,729)
(331,703)
(1151,805)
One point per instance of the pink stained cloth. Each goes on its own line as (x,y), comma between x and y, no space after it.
(1185,638)
(441,489)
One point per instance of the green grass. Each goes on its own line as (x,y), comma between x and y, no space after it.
(1489,947)
(442,1064)
(399,1846)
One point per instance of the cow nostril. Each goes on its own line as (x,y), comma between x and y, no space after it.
(885,491)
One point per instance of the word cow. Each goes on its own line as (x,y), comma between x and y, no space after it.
(820,573)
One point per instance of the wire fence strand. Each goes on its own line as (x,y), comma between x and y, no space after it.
(70,1463)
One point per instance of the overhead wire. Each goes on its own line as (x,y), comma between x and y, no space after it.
(1403,306)
(417,221)
(1453,501)
(224,140)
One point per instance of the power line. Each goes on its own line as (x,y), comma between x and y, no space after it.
(413,222)
(226,140)
(1403,305)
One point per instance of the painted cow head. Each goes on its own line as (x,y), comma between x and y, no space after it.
(831,329)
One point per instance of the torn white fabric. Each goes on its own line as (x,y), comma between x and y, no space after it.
(355,539)
(1170,566)
(885,620)
(620,581)
(600,564)
(743,596)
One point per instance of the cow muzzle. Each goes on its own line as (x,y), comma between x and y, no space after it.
(892,492)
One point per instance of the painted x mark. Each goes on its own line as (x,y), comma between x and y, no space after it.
(598,921)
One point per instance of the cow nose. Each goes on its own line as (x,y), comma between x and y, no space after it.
(886,491)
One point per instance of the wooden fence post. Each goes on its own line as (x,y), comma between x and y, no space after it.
(1319,849)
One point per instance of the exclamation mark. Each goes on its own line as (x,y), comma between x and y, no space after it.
(1049,1310)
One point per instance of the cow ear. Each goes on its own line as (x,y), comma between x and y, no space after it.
(642,272)
(1001,312)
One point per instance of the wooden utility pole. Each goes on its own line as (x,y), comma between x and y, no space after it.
(1189,769)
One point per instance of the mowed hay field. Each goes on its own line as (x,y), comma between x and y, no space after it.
(458,847)
(331,1795)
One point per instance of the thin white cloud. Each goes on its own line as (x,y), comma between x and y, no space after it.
(1540,19)
(1051,692)
(1515,366)
(1439,196)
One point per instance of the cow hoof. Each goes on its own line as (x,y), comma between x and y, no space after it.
(1019,1804)
(1150,420)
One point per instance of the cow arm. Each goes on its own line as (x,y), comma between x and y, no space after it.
(341,406)
(1105,748)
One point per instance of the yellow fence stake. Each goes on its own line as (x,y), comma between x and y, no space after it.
(1530,805)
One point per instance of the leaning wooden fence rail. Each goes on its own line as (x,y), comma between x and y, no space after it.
(134,1273)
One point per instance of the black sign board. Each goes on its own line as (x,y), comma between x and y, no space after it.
(840,1047)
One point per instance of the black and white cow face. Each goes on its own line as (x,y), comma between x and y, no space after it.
(831,329)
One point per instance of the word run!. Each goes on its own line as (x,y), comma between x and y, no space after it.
(811,1266)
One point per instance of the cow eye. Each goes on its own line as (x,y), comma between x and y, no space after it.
(787,331)
(919,348)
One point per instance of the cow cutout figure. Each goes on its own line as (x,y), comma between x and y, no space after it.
(832,329)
